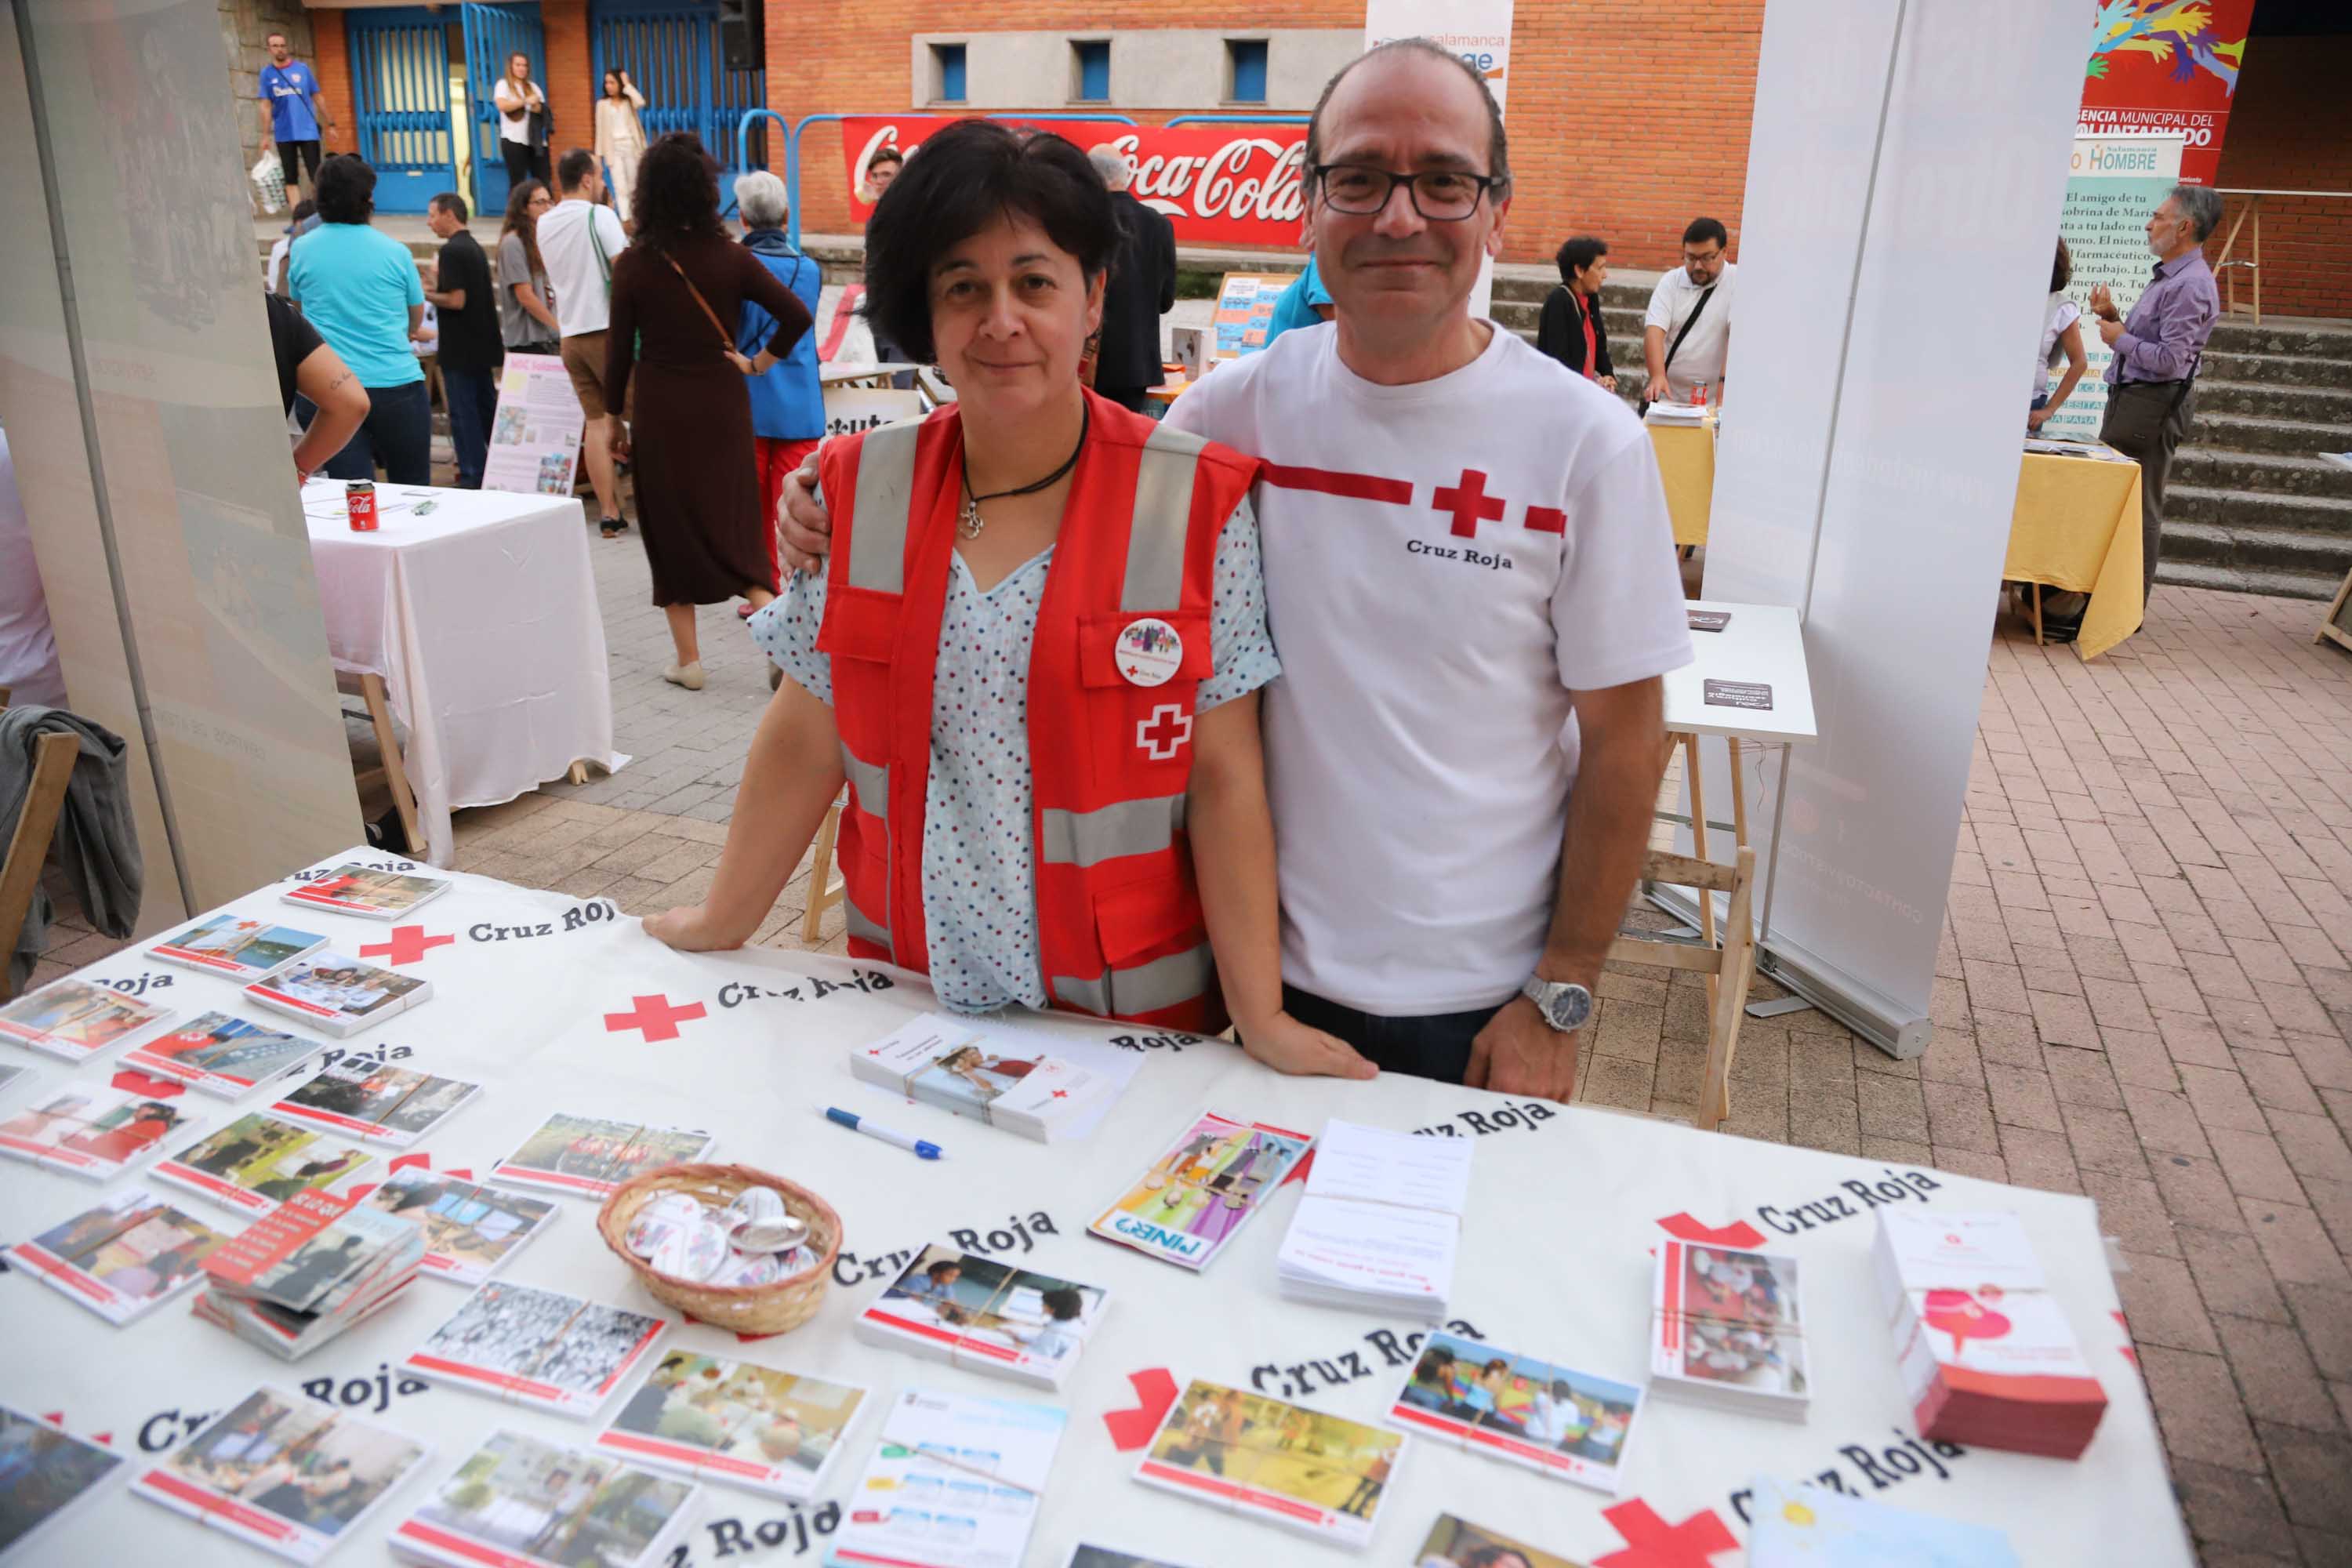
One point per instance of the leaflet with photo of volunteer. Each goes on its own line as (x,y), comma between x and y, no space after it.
(221,1054)
(985,1316)
(290,1474)
(370,892)
(589,1157)
(1207,1184)
(471,1228)
(257,1161)
(519,1501)
(539,1348)
(1282,1463)
(776,1432)
(1456,1543)
(339,994)
(1552,1419)
(382,1104)
(1728,1330)
(76,1019)
(92,1130)
(46,1475)
(236,946)
(123,1256)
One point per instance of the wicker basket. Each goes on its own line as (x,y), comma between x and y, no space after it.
(746,1309)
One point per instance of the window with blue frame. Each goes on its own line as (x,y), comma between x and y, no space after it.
(946,73)
(1090,59)
(1246,62)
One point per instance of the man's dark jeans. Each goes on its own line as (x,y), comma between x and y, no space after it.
(1435,1044)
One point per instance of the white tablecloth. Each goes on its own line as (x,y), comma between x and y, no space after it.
(481,618)
(1564,1211)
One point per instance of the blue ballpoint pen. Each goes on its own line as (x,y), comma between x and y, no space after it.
(872,1129)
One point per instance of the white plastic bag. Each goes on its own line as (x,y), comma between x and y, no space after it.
(269,180)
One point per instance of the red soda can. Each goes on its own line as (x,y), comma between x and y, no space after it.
(358,497)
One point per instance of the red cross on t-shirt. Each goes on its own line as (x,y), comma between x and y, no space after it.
(1469,502)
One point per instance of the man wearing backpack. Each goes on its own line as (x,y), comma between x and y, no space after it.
(578,239)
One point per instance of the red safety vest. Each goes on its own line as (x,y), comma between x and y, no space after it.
(1120,928)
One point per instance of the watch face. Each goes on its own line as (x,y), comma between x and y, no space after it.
(1569,1007)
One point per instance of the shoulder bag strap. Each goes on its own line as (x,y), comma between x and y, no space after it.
(725,343)
(1696,312)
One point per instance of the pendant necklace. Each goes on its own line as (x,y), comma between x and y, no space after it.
(970,523)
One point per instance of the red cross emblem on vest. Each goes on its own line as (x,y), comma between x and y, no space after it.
(1168,728)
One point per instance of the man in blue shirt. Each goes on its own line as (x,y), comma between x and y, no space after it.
(291,115)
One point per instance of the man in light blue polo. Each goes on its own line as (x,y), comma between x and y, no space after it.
(291,115)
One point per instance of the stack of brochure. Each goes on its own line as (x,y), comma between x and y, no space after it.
(523,1501)
(1001,1076)
(1275,1463)
(1380,1223)
(1187,1205)
(954,1483)
(1987,1355)
(371,892)
(984,1316)
(1728,1329)
(1677,414)
(302,1275)
(339,994)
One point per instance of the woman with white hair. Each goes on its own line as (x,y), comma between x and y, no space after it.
(787,403)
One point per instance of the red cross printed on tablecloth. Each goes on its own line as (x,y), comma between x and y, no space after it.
(408,945)
(1652,1542)
(655,1016)
(1155,1391)
(1738,1233)
(1168,728)
(1469,502)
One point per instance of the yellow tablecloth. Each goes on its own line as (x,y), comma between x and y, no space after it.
(1686,464)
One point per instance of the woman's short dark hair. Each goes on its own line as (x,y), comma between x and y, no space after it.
(346,189)
(969,175)
(2061,271)
(1579,253)
(676,194)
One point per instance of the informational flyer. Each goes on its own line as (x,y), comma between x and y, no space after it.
(535,435)
(1245,312)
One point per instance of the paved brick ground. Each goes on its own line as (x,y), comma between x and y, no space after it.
(2143,995)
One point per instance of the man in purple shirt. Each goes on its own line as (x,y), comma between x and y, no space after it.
(2152,380)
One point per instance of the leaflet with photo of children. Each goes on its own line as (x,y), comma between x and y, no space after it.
(339,994)
(539,1348)
(382,1104)
(522,1499)
(985,1316)
(1284,1463)
(1551,1418)
(76,1018)
(92,1130)
(469,1227)
(1728,1328)
(257,1161)
(220,1054)
(771,1432)
(1207,1184)
(290,1474)
(122,1257)
(591,1156)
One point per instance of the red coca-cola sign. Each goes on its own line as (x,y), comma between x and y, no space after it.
(1219,184)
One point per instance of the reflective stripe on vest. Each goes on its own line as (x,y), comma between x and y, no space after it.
(885,485)
(873,786)
(1106,833)
(1163,505)
(863,929)
(1146,988)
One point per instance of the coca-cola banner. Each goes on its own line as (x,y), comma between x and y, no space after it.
(1219,184)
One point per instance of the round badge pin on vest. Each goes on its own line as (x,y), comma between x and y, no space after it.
(1149,651)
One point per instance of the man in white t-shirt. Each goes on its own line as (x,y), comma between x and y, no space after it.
(1686,331)
(578,239)
(1470,577)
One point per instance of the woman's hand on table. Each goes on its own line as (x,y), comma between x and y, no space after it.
(1286,1045)
(689,928)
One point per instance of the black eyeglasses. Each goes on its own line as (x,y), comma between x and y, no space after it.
(1443,196)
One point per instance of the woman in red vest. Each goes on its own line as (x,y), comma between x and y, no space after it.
(1034,654)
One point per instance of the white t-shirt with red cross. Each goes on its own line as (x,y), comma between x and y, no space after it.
(1444,563)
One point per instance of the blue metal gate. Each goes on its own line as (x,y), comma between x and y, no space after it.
(400,81)
(493,35)
(670,49)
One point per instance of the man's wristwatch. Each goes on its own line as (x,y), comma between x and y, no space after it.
(1563,1004)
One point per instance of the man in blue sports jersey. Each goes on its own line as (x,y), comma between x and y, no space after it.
(291,115)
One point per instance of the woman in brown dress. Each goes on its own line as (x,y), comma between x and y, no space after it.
(680,288)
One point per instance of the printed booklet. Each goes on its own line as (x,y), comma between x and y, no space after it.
(92,1130)
(469,1228)
(257,1161)
(125,1256)
(1728,1329)
(1283,1464)
(1380,1224)
(1537,1413)
(1453,1540)
(586,1156)
(314,1265)
(339,994)
(220,1054)
(1197,1194)
(954,1483)
(776,1432)
(76,1019)
(1002,1077)
(519,1501)
(51,1475)
(287,1474)
(382,1104)
(1813,1527)
(237,947)
(367,892)
(540,1348)
(985,1316)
